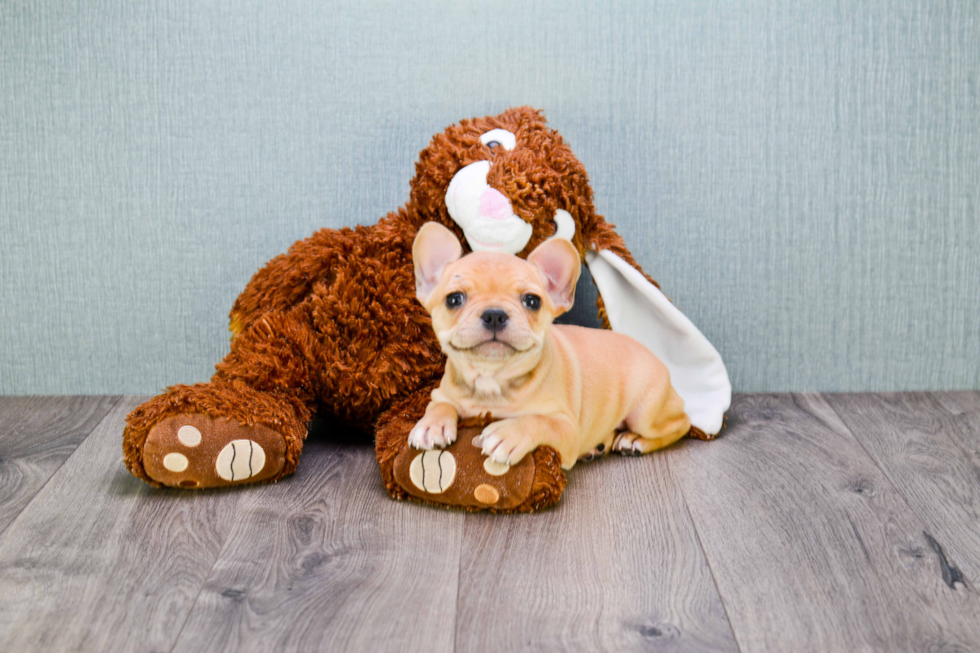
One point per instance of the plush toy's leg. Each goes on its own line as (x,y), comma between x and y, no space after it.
(698,434)
(246,426)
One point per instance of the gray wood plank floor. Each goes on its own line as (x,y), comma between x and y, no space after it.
(37,434)
(816,522)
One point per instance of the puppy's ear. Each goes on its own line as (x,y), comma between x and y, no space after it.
(434,248)
(559,264)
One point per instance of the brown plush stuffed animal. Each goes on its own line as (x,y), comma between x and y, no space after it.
(333,327)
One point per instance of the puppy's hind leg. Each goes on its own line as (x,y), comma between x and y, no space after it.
(629,443)
(657,422)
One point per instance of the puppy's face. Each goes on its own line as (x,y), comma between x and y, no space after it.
(490,309)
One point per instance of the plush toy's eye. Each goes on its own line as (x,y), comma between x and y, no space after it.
(496,138)
(531,302)
(455,299)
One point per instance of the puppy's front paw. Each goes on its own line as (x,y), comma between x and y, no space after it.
(433,431)
(506,442)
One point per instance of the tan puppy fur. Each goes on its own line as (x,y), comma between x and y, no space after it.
(582,391)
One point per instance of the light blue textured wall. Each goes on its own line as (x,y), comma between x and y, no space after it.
(802,179)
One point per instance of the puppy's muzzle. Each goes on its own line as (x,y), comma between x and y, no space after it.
(494,319)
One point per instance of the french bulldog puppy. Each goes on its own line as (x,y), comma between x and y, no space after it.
(582,391)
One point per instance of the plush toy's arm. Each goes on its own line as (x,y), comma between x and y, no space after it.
(289,277)
(286,279)
(632,303)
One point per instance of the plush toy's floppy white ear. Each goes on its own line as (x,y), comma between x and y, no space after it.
(639,309)
(434,248)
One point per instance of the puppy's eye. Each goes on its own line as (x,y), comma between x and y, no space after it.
(531,302)
(493,145)
(455,299)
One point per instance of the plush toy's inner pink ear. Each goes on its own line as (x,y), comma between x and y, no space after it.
(434,248)
(560,266)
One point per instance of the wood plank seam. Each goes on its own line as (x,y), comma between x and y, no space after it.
(707,559)
(115,399)
(941,408)
(459,575)
(204,582)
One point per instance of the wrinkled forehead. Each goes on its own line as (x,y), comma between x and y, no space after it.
(492,273)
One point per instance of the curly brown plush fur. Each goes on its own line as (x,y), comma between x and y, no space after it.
(333,324)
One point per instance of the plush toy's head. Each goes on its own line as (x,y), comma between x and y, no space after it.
(504,183)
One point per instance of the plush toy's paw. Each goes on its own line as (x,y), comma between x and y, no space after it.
(194,451)
(433,432)
(506,442)
(461,476)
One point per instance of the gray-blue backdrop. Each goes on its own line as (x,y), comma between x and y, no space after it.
(802,178)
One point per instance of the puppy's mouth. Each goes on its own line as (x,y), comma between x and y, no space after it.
(491,348)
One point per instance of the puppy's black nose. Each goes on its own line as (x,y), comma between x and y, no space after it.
(494,319)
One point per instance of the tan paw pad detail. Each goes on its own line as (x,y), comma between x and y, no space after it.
(239,460)
(433,471)
(175,462)
(494,468)
(189,436)
(486,494)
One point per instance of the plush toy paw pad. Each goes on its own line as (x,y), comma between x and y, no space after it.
(433,471)
(240,459)
(197,451)
(189,436)
(494,468)
(486,494)
(175,462)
